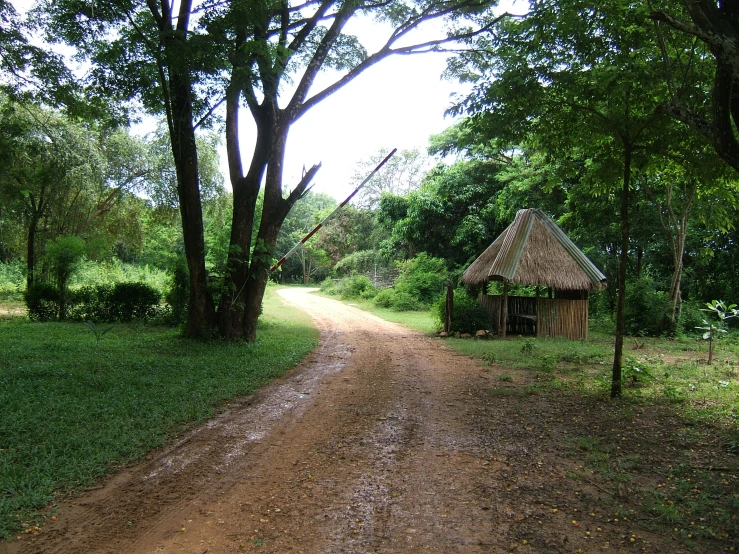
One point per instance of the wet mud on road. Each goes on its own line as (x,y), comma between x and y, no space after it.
(382,441)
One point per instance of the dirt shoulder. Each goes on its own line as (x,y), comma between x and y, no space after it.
(383,441)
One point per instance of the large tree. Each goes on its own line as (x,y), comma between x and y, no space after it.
(186,63)
(576,79)
(710,107)
(60,177)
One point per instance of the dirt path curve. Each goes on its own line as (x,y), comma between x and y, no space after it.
(366,447)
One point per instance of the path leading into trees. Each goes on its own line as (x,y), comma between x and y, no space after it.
(383,441)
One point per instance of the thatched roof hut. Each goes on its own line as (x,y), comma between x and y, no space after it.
(533,250)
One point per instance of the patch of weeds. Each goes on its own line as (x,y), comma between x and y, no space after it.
(505,378)
(673,394)
(588,443)
(700,504)
(572,356)
(528,347)
(637,371)
(547,364)
(506,391)
(631,462)
(489,358)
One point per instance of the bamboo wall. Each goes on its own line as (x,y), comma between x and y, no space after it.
(555,317)
(559,317)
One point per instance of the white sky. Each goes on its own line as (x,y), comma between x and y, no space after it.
(398,103)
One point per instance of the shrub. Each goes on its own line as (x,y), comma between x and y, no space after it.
(405,302)
(122,302)
(691,316)
(353,287)
(130,301)
(368,294)
(645,308)
(91,303)
(468,315)
(385,298)
(12,278)
(422,278)
(42,301)
(178,294)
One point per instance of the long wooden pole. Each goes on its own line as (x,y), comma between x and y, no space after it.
(333,213)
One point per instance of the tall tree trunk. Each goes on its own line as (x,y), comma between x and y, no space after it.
(623,261)
(31,251)
(200,321)
(674,298)
(245,194)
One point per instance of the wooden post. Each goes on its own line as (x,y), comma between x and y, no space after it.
(504,310)
(449,310)
(537,324)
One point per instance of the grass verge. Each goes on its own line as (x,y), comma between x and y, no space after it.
(64,423)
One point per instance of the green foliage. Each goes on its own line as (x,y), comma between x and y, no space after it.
(714,329)
(153,385)
(64,255)
(385,298)
(124,302)
(645,307)
(42,301)
(134,301)
(421,278)
(404,301)
(12,279)
(90,273)
(179,291)
(328,286)
(354,287)
(468,317)
(99,333)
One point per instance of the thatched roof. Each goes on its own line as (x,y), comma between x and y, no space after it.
(533,250)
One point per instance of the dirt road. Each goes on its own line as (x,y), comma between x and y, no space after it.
(383,441)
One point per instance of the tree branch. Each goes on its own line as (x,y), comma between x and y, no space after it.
(385,51)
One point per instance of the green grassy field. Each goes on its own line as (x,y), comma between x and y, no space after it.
(69,417)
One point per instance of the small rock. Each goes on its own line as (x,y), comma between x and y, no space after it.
(465,336)
(443,334)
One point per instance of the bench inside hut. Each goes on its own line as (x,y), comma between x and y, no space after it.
(533,250)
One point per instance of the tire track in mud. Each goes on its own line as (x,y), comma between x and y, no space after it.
(364,448)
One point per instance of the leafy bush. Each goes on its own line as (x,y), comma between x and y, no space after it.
(353,287)
(385,298)
(691,316)
(123,302)
(91,303)
(368,294)
(645,308)
(134,301)
(178,294)
(328,286)
(405,302)
(422,278)
(42,301)
(361,261)
(111,272)
(12,278)
(468,315)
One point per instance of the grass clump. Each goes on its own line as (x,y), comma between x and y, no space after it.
(65,424)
